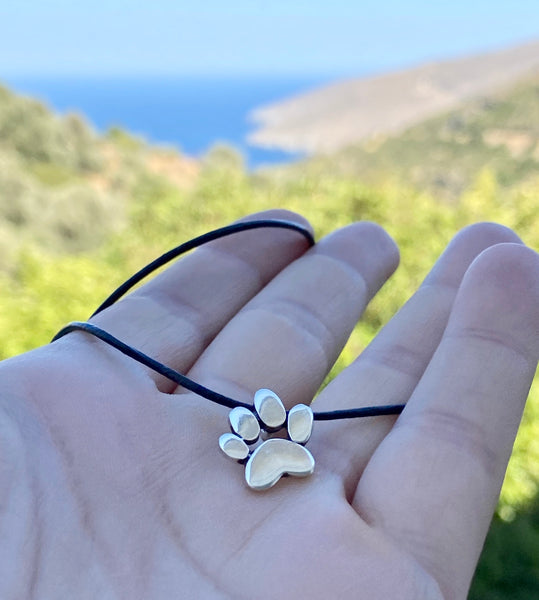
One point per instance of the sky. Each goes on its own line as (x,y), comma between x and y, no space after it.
(250,37)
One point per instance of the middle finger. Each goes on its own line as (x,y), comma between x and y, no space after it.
(288,337)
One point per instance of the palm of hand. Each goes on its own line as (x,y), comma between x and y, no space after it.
(112,487)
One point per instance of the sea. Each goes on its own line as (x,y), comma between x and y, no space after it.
(189,113)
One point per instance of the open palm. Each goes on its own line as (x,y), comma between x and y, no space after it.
(112,484)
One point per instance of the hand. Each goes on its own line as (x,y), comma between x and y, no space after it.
(112,484)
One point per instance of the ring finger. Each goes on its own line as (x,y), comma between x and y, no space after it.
(392,365)
(288,337)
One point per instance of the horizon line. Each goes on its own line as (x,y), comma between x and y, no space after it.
(361,71)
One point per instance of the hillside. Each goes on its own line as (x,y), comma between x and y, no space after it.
(63,186)
(333,117)
(444,154)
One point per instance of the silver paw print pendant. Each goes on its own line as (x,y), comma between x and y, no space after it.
(275,457)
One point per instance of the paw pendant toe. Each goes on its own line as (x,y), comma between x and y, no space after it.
(275,457)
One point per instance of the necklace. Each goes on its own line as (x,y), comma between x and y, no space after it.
(266,458)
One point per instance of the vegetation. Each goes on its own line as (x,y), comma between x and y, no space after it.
(445,153)
(62,187)
(52,204)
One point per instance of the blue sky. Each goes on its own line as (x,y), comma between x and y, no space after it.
(241,37)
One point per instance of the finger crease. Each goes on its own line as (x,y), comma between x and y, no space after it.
(399,358)
(302,319)
(188,320)
(244,262)
(357,276)
(458,431)
(502,340)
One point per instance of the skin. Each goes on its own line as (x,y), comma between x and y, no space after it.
(112,485)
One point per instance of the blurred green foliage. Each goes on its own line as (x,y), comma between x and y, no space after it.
(509,567)
(66,242)
(30,130)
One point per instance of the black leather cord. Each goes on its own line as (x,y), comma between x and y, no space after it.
(210,236)
(179,378)
(150,362)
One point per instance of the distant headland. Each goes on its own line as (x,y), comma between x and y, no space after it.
(348,112)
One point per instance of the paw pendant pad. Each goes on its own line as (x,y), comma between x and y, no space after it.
(274,457)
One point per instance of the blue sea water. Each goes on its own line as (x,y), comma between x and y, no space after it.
(191,113)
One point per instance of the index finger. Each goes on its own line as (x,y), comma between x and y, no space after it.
(175,316)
